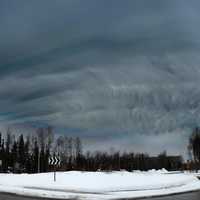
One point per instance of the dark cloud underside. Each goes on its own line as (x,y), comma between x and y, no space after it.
(102,69)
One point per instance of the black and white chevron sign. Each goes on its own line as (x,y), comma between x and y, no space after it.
(54,160)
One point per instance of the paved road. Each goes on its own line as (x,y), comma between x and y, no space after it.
(15,197)
(188,196)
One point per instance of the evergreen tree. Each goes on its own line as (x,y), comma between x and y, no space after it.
(14,153)
(7,154)
(194,143)
(3,153)
(27,155)
(21,149)
(0,139)
(35,157)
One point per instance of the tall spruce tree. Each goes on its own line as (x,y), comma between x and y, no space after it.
(21,148)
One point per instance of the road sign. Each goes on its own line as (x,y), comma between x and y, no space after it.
(54,160)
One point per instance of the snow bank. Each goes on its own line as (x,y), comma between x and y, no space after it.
(104,185)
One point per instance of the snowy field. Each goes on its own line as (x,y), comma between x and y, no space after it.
(99,185)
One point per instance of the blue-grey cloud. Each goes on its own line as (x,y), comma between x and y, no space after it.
(105,70)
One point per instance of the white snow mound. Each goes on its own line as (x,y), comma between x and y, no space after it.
(104,185)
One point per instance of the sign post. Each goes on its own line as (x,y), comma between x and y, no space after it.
(54,161)
(54,173)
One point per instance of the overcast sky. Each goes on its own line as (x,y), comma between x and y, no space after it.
(122,74)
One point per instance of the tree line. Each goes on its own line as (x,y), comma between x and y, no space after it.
(128,161)
(30,154)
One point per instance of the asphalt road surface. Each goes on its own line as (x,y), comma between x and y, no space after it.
(16,197)
(187,196)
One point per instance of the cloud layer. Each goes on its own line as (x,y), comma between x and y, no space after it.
(105,70)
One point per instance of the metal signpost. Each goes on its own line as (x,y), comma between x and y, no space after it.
(54,161)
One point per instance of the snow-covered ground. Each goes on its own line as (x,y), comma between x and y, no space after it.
(99,185)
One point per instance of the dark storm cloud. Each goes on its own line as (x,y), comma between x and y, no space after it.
(123,67)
